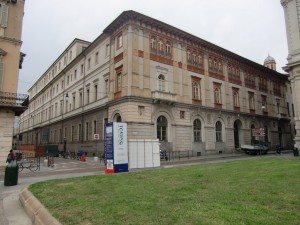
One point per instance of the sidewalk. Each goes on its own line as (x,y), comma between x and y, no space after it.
(13,213)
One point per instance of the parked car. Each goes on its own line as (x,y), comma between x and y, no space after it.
(256,148)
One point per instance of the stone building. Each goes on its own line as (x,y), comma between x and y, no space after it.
(292,20)
(164,83)
(11,19)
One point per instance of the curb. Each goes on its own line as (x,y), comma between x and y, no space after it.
(38,214)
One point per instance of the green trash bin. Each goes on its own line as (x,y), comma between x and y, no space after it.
(11,176)
(296,151)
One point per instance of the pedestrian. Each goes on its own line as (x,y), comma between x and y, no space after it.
(11,159)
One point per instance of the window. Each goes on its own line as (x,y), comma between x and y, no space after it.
(107,50)
(75,74)
(251,101)
(119,82)
(81,69)
(95,92)
(161,82)
(162,125)
(120,41)
(65,60)
(235,94)
(161,47)
(278,105)
(87,96)
(141,110)
(3,15)
(200,60)
(79,132)
(96,58)
(197,130)
(264,103)
(196,91)
(288,109)
(95,126)
(106,86)
(218,131)
(80,98)
(188,56)
(70,55)
(72,133)
(89,64)
(217,93)
(87,131)
(182,114)
(194,59)
(153,45)
(73,102)
(168,49)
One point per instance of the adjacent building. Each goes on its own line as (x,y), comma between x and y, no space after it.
(292,19)
(11,18)
(165,84)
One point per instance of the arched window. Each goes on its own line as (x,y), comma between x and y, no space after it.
(196,91)
(197,130)
(236,99)
(162,125)
(153,45)
(161,82)
(117,118)
(218,131)
(161,47)
(217,93)
(188,56)
(168,49)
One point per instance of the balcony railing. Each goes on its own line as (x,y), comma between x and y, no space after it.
(12,99)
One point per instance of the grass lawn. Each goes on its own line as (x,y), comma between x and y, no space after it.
(260,191)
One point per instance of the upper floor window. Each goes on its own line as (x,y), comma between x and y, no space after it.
(161,47)
(120,41)
(168,49)
(119,82)
(235,94)
(96,58)
(161,82)
(251,101)
(153,45)
(3,15)
(264,103)
(217,93)
(196,91)
(107,50)
(89,64)
(188,56)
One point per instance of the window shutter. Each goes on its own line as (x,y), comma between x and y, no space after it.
(4,15)
(1,75)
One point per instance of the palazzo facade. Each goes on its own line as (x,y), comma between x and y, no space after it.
(165,84)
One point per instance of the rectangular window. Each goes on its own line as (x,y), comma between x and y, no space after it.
(141,110)
(72,133)
(80,98)
(107,50)
(79,132)
(120,41)
(87,96)
(95,126)
(73,102)
(95,92)
(106,86)
(75,74)
(119,82)
(251,101)
(288,109)
(96,58)
(89,64)
(86,131)
(3,15)
(182,114)
(81,69)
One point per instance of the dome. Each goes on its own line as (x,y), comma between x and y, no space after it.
(269,59)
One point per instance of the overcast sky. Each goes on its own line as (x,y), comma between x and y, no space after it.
(250,28)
